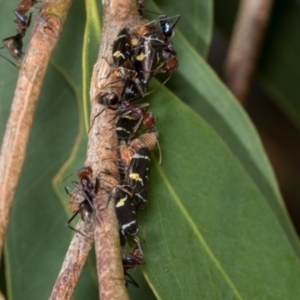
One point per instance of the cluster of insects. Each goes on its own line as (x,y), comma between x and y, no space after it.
(138,54)
(14,44)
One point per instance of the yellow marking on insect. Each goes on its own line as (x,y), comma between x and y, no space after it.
(135,176)
(117,54)
(141,56)
(129,117)
(121,202)
(134,42)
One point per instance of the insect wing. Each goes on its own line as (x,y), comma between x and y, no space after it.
(147,58)
(126,126)
(138,176)
(126,212)
(121,48)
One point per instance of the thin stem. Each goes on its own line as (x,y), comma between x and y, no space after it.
(44,37)
(73,264)
(100,156)
(245,45)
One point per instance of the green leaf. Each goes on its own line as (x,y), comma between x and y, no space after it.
(198,86)
(92,35)
(215,224)
(38,238)
(209,231)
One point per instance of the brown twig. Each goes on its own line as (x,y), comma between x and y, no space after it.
(73,264)
(44,37)
(245,45)
(102,155)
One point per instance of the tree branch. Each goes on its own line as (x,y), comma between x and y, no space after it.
(101,155)
(44,37)
(73,264)
(245,45)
